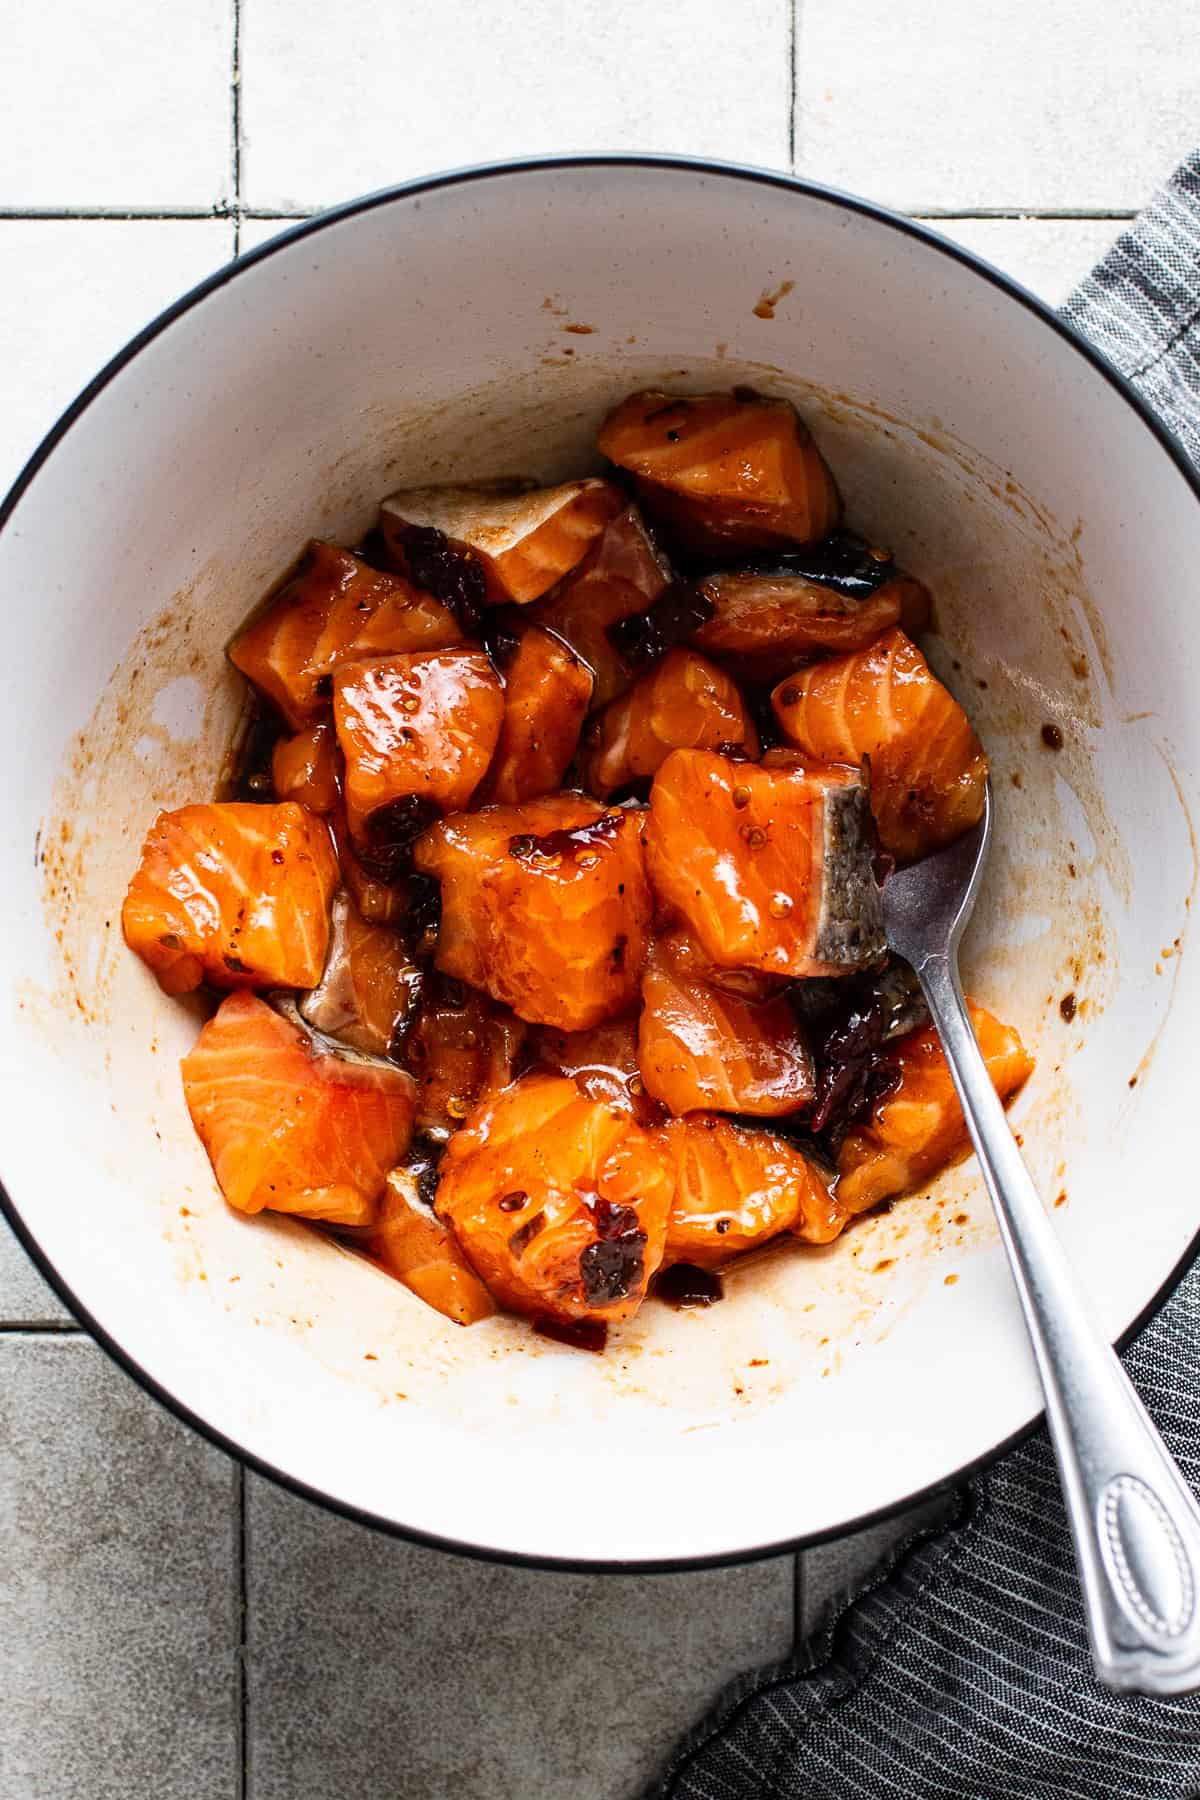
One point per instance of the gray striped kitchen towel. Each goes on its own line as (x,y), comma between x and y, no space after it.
(963,1674)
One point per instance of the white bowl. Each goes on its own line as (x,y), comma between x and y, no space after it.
(426,333)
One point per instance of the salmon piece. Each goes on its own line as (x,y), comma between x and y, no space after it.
(461,1048)
(544,906)
(928,769)
(547,691)
(370,985)
(560,1202)
(701,1048)
(415,1246)
(334,608)
(416,730)
(602,1062)
(305,768)
(683,703)
(720,472)
(290,1128)
(918,1128)
(235,894)
(736,1188)
(621,576)
(769,864)
(837,595)
(525,541)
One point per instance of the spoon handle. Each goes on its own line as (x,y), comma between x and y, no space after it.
(1134,1521)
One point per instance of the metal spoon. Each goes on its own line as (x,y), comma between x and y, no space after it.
(1134,1521)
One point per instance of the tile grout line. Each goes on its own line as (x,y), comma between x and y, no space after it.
(235,122)
(793,36)
(41,1328)
(233,209)
(241,1684)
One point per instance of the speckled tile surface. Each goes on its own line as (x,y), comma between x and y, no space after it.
(382,1669)
(167,1628)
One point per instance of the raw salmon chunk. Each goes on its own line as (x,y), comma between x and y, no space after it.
(918,1127)
(702,1047)
(545,906)
(525,541)
(305,769)
(418,728)
(335,607)
(928,769)
(547,691)
(560,1202)
(235,894)
(461,1047)
(369,987)
(288,1128)
(736,1188)
(602,1062)
(415,1246)
(718,471)
(683,703)
(620,577)
(769,864)
(836,595)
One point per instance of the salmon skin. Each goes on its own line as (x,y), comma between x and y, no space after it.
(717,472)
(736,1188)
(834,596)
(621,576)
(544,906)
(700,1047)
(415,1246)
(884,704)
(770,864)
(683,703)
(419,727)
(306,768)
(525,541)
(547,691)
(369,987)
(290,1128)
(234,894)
(560,1202)
(918,1128)
(334,608)
(460,1048)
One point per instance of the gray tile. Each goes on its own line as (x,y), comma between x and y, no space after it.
(24,1297)
(387,1672)
(836,1572)
(118,1588)
(997,102)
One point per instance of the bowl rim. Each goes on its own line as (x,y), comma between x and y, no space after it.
(369,202)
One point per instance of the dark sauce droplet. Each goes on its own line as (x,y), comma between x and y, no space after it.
(1068,1007)
(422,1163)
(391,831)
(679,611)
(684,1285)
(580,1334)
(451,574)
(564,844)
(513,1202)
(1052,737)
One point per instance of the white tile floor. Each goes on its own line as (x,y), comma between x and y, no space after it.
(168,1628)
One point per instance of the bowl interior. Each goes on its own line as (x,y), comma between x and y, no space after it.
(481,327)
